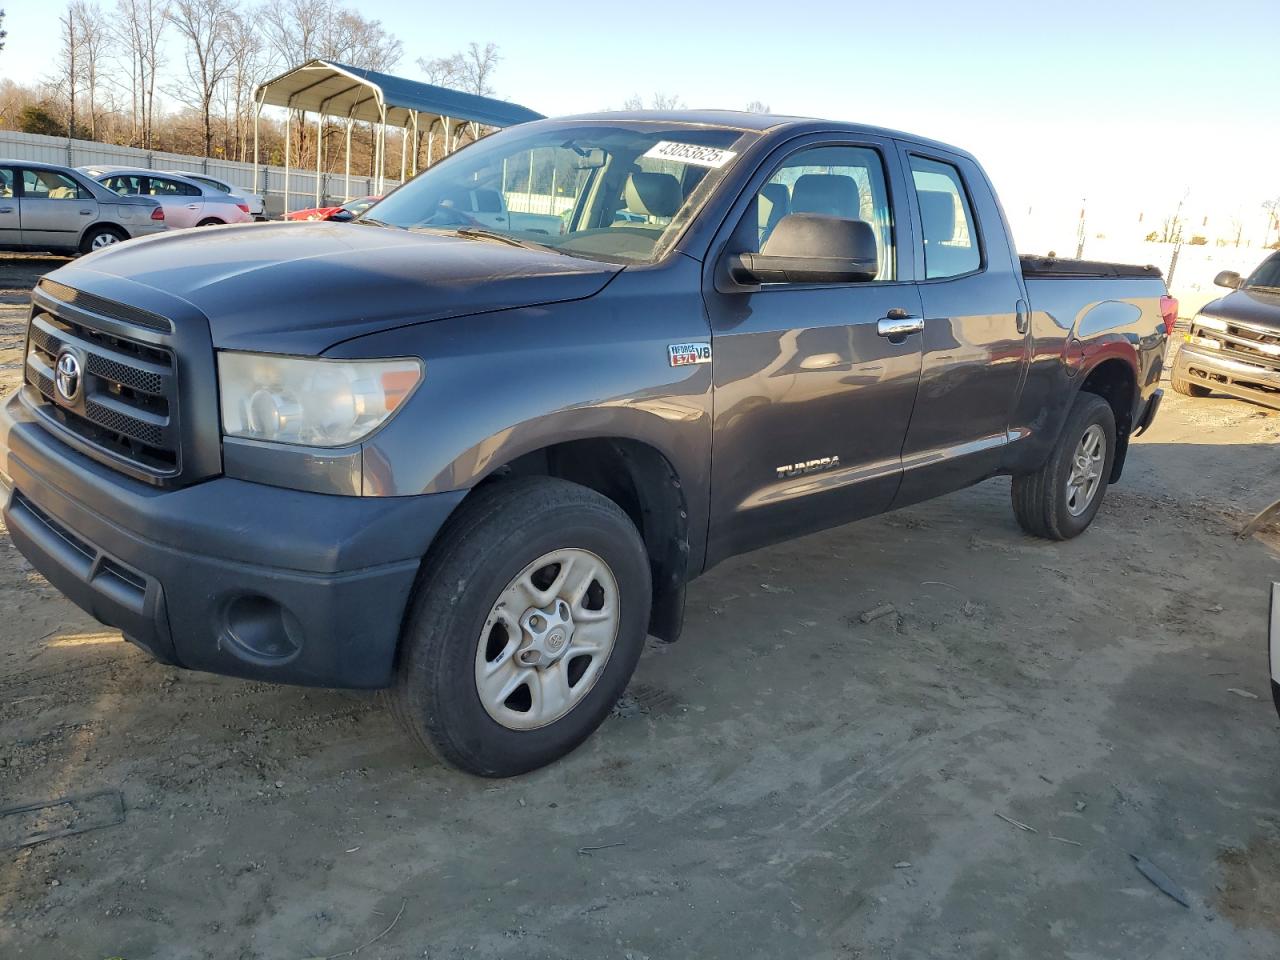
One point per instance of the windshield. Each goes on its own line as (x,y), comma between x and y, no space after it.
(618,192)
(1267,275)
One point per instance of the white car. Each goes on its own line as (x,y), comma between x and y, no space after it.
(186,202)
(256,204)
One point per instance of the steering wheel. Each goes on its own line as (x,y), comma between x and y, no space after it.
(449,216)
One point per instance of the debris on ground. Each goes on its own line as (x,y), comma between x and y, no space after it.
(587,851)
(875,613)
(1017,823)
(31,823)
(1242,693)
(1161,879)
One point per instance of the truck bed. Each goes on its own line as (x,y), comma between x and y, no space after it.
(1057,267)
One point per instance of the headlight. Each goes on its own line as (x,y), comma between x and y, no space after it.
(1209,323)
(321,403)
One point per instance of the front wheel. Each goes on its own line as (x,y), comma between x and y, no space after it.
(1187,387)
(1060,500)
(525,627)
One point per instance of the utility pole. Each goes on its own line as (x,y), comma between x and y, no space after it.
(1080,230)
(1177,238)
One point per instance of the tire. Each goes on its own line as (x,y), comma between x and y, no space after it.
(1043,501)
(1185,387)
(96,238)
(457,635)
(211,222)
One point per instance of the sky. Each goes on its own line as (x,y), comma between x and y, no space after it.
(1127,106)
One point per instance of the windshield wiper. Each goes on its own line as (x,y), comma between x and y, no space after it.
(480,233)
(376,223)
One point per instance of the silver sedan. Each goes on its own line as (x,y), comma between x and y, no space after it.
(47,207)
(186,202)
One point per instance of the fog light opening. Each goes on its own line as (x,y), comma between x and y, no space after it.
(260,630)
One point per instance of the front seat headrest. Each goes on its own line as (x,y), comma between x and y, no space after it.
(830,194)
(937,215)
(654,194)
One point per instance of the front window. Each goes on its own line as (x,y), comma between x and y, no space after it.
(51,185)
(619,192)
(1267,276)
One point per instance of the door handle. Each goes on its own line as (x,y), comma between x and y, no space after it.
(1024,318)
(86,213)
(191,206)
(6,209)
(898,323)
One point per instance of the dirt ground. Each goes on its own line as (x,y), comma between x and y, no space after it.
(787,781)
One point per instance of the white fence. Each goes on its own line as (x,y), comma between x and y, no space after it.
(270,180)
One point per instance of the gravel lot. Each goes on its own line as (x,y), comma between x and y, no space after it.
(786,781)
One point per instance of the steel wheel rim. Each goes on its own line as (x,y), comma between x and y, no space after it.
(1086,470)
(103,240)
(547,639)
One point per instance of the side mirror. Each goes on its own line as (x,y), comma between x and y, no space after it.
(1229,279)
(343,216)
(811,248)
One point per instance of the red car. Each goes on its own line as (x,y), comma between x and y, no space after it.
(348,211)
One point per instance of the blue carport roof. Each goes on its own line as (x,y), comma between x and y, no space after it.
(339,90)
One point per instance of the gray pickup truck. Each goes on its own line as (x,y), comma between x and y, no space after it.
(477,466)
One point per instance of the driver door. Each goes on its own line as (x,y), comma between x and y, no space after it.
(812,395)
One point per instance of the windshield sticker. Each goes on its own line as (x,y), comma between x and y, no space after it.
(691,153)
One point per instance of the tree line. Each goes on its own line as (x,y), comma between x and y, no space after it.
(115,66)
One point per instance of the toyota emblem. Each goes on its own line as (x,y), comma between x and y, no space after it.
(67,377)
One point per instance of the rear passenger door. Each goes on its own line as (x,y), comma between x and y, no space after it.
(812,396)
(183,203)
(55,209)
(976,341)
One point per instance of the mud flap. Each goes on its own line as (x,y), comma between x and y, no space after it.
(1273,644)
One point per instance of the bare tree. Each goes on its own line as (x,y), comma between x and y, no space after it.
(67,76)
(95,40)
(140,31)
(757,106)
(206,27)
(3,32)
(250,66)
(659,101)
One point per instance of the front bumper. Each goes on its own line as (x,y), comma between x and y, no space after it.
(224,576)
(1212,369)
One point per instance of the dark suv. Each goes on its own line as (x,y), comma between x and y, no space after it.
(1234,342)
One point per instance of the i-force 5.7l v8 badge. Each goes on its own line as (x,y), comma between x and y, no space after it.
(683,354)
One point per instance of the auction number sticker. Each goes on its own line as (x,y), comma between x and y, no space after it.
(692,153)
(683,354)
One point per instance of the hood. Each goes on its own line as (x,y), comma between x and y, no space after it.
(303,287)
(1261,308)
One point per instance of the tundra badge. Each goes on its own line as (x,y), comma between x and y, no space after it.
(683,354)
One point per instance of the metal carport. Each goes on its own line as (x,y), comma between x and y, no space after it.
(331,89)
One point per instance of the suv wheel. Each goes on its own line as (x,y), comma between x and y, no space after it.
(1187,387)
(525,628)
(1061,499)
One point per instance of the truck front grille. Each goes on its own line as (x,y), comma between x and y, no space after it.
(126,406)
(1243,343)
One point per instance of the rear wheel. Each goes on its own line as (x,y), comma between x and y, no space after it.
(210,222)
(97,238)
(1060,500)
(525,627)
